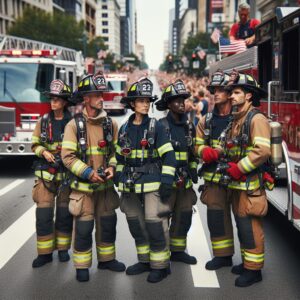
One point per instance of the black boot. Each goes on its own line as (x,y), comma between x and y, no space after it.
(238,269)
(42,260)
(157,275)
(248,278)
(219,262)
(63,255)
(138,268)
(82,275)
(183,257)
(112,265)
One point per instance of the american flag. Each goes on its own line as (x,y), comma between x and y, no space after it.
(201,53)
(217,4)
(215,36)
(231,47)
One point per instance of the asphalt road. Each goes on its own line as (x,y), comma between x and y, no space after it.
(281,275)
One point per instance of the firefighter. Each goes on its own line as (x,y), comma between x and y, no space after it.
(247,146)
(181,133)
(215,192)
(88,152)
(49,170)
(145,172)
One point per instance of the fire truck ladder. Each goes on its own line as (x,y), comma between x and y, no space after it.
(8,42)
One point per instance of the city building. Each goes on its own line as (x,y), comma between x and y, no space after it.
(140,51)
(171,19)
(188,26)
(70,7)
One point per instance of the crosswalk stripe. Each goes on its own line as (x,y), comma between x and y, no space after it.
(16,235)
(197,246)
(11,186)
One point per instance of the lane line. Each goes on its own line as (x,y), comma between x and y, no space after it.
(197,246)
(16,235)
(11,186)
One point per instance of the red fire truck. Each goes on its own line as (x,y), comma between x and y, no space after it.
(26,69)
(275,62)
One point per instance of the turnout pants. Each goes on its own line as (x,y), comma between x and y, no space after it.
(87,207)
(181,203)
(218,202)
(248,209)
(52,235)
(147,219)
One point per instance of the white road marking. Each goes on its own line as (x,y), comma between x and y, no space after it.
(16,235)
(11,186)
(197,246)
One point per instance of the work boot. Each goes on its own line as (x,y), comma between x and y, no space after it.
(157,275)
(42,260)
(248,278)
(238,269)
(183,257)
(63,255)
(112,265)
(82,275)
(138,268)
(219,262)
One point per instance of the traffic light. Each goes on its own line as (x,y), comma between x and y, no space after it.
(194,56)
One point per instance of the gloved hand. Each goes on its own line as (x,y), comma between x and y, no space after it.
(165,191)
(194,175)
(234,172)
(209,155)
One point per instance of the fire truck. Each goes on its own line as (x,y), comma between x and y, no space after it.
(26,69)
(275,63)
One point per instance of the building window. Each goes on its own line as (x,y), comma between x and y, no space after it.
(104,30)
(105,38)
(104,15)
(104,6)
(104,23)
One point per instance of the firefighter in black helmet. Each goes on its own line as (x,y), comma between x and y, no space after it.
(145,172)
(88,151)
(181,133)
(50,172)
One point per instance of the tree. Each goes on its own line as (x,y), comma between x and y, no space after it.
(94,46)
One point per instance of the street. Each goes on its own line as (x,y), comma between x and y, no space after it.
(18,280)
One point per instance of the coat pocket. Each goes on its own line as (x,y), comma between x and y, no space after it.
(257,204)
(35,191)
(76,203)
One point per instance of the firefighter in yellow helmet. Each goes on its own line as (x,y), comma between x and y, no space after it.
(50,172)
(88,151)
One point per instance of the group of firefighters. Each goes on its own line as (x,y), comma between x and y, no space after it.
(153,164)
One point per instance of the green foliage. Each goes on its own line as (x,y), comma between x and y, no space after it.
(94,46)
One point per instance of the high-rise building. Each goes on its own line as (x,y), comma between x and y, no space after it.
(187,26)
(89,17)
(140,51)
(71,7)
(171,19)
(176,29)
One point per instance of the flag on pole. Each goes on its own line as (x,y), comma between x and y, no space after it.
(231,47)
(217,4)
(201,53)
(215,36)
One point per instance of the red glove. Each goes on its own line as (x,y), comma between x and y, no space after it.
(210,155)
(235,173)
(268,178)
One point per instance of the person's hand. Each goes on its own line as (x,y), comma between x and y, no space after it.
(250,40)
(235,173)
(109,173)
(165,191)
(210,155)
(95,178)
(49,156)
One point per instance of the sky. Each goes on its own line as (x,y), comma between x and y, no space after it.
(153,28)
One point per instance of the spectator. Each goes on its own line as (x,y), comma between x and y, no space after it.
(245,28)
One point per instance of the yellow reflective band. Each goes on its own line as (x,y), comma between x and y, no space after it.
(242,252)
(95,150)
(254,257)
(159,256)
(39,150)
(118,149)
(138,153)
(262,141)
(133,88)
(69,145)
(199,152)
(181,155)
(178,242)
(53,146)
(80,84)
(113,161)
(78,167)
(63,240)
(165,148)
(200,141)
(35,139)
(119,168)
(59,176)
(168,89)
(82,257)
(193,165)
(87,187)
(106,250)
(45,244)
(86,82)
(44,174)
(215,142)
(168,170)
(247,164)
(222,244)
(148,187)
(143,249)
